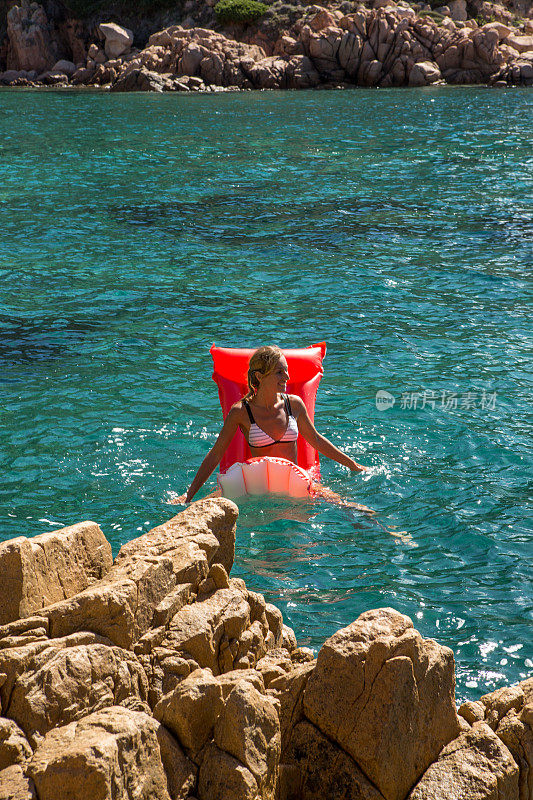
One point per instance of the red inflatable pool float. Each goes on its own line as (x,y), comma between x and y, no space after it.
(239,472)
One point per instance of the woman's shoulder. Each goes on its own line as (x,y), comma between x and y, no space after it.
(296,403)
(235,415)
(237,409)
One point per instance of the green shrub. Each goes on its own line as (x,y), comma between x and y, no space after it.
(482,19)
(242,11)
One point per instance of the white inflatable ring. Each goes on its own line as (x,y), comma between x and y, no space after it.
(265,475)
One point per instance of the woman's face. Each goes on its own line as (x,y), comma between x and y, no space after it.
(275,381)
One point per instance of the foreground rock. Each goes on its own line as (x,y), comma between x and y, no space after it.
(509,713)
(146,574)
(166,679)
(191,710)
(14,747)
(248,729)
(15,785)
(320,769)
(51,683)
(385,696)
(115,752)
(50,567)
(476,765)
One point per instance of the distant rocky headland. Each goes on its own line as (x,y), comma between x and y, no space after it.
(156,676)
(186,48)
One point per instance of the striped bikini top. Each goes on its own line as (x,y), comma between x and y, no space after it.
(257,436)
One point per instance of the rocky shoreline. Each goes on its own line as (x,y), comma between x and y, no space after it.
(156,676)
(391,45)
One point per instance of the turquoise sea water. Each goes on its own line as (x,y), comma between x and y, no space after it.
(397,225)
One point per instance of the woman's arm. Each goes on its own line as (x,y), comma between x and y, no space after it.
(319,442)
(214,457)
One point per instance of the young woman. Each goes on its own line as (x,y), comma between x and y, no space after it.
(271,421)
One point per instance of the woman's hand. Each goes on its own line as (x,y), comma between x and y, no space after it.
(178,501)
(359,467)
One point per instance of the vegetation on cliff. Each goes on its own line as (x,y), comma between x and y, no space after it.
(239,11)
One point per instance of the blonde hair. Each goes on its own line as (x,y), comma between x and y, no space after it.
(265,361)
